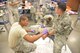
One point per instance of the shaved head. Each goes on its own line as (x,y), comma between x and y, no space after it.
(23,17)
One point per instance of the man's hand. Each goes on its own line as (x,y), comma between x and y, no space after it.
(32,31)
(45,31)
(14,3)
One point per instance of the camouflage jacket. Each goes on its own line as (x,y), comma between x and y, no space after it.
(62,25)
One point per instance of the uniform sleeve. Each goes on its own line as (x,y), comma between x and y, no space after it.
(32,10)
(22,32)
(67,26)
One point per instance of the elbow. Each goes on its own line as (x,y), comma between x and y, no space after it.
(30,40)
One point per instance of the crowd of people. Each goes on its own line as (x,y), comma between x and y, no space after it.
(51,15)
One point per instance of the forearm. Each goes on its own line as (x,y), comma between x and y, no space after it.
(51,33)
(28,30)
(36,37)
(14,3)
(32,38)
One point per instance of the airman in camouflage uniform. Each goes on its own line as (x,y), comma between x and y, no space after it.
(33,11)
(47,20)
(13,8)
(62,27)
(41,12)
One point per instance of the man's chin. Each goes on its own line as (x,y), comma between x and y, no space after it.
(26,25)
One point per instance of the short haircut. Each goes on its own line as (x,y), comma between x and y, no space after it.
(62,6)
(23,17)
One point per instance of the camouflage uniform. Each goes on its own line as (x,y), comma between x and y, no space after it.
(44,10)
(25,47)
(33,11)
(47,20)
(62,26)
(41,12)
(14,11)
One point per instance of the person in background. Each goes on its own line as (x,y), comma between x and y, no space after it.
(19,39)
(52,7)
(41,13)
(62,27)
(47,20)
(13,8)
(33,11)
